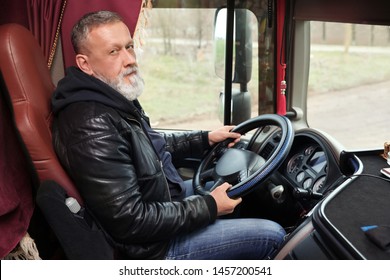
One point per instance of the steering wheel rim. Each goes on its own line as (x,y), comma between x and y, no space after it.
(271,164)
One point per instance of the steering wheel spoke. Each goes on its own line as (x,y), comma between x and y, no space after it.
(216,184)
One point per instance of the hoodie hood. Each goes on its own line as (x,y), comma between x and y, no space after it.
(77,86)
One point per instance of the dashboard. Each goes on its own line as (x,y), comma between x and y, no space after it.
(310,171)
(310,168)
(315,166)
(307,168)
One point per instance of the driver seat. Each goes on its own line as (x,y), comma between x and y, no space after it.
(26,82)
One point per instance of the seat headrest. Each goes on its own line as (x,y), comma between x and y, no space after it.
(24,66)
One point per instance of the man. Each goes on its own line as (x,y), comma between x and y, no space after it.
(123,169)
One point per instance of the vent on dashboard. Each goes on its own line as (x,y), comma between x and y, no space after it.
(267,151)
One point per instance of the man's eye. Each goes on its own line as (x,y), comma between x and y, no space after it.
(130,46)
(113,51)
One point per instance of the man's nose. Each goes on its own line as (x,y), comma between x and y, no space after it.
(129,57)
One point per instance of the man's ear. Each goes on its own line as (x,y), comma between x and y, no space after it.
(83,64)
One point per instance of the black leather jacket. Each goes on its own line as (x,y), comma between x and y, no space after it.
(109,156)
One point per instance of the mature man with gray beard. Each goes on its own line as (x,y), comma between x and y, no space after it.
(124,169)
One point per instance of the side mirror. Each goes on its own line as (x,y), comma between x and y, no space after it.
(240,106)
(242,48)
(241,63)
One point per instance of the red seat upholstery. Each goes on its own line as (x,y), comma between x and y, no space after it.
(16,188)
(29,85)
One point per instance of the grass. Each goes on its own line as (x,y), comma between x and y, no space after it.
(332,71)
(179,87)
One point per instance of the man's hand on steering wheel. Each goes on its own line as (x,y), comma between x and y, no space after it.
(225,204)
(222,134)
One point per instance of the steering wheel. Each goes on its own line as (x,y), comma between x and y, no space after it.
(240,167)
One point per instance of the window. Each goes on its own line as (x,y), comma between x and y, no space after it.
(181,87)
(349,83)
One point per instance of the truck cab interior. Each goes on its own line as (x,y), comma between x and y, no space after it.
(308,159)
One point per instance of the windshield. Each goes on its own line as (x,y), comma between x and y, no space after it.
(182,89)
(349,83)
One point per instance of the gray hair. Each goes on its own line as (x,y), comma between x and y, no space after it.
(89,21)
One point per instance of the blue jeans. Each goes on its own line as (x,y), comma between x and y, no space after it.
(229,239)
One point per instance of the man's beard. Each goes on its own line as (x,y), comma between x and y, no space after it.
(130,91)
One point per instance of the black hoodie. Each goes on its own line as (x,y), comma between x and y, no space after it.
(77,86)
